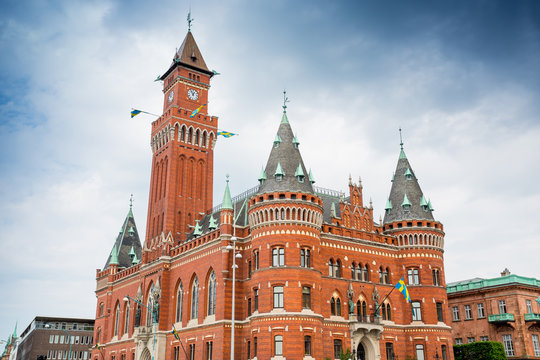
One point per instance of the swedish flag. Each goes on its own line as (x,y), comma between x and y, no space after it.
(402,288)
(196,111)
(225,134)
(175,333)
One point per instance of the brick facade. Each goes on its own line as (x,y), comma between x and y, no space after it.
(498,309)
(314,264)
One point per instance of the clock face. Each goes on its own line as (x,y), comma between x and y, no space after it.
(171,96)
(192,94)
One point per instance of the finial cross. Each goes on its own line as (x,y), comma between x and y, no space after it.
(131,201)
(285,100)
(189,20)
(400,139)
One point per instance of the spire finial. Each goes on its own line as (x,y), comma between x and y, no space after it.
(227,177)
(400,139)
(285,101)
(130,201)
(189,20)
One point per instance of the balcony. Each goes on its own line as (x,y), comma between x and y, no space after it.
(365,324)
(532,317)
(501,318)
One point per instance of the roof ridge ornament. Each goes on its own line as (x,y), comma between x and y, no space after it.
(285,101)
(189,20)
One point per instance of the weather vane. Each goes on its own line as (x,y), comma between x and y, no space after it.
(400,139)
(131,201)
(285,100)
(189,20)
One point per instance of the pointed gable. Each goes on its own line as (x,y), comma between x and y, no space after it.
(284,163)
(406,200)
(127,243)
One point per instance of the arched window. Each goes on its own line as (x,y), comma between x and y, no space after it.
(333,307)
(126,318)
(183,134)
(195,299)
(179,302)
(212,294)
(190,135)
(359,272)
(381,276)
(150,303)
(338,307)
(366,272)
(331,267)
(338,268)
(388,312)
(359,310)
(204,139)
(197,137)
(116,319)
(364,309)
(353,271)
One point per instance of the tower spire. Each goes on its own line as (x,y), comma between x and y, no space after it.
(189,20)
(285,101)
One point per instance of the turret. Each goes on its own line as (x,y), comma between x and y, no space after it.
(226,213)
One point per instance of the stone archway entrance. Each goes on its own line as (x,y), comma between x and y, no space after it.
(146,354)
(360,352)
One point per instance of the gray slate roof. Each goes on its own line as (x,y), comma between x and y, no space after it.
(402,186)
(288,157)
(188,55)
(124,241)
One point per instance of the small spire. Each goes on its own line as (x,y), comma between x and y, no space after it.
(279,170)
(277,140)
(311,178)
(406,203)
(135,260)
(333,209)
(429,205)
(262,176)
(130,201)
(131,231)
(370,203)
(400,139)
(227,202)
(295,142)
(114,256)
(198,228)
(388,205)
(189,20)
(350,180)
(212,224)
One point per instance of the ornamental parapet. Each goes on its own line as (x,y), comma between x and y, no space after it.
(532,317)
(501,318)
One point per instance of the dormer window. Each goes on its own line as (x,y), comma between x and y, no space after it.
(295,142)
(406,204)
(299,173)
(388,206)
(408,174)
(278,175)
(424,204)
(262,176)
(277,141)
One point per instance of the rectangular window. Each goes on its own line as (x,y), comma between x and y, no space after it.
(51,339)
(419,352)
(529,306)
(74,326)
(176,353)
(508,345)
(338,348)
(502,307)
(306,297)
(256,258)
(63,326)
(209,350)
(459,341)
(278,297)
(278,345)
(249,307)
(278,257)
(249,349)
(249,268)
(480,308)
(468,312)
(62,339)
(412,275)
(254,346)
(56,338)
(305,258)
(484,338)
(443,351)
(455,313)
(191,351)
(307,345)
(470,339)
(389,351)
(439,312)
(416,311)
(255,299)
(436,277)
(536,345)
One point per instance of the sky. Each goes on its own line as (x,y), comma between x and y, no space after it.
(460,78)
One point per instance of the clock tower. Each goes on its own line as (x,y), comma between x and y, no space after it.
(182,143)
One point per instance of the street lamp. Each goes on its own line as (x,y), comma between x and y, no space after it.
(48,326)
(235,256)
(126,299)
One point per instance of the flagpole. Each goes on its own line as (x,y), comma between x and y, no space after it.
(180,341)
(382,301)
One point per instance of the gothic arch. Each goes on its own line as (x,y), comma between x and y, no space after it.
(211,287)
(194,297)
(179,303)
(204,136)
(145,355)
(197,136)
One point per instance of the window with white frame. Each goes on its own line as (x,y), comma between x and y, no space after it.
(412,276)
(481,312)
(278,297)
(536,345)
(468,312)
(470,339)
(508,345)
(484,338)
(278,345)
(455,313)
(502,307)
(529,306)
(278,257)
(459,341)
(420,352)
(416,311)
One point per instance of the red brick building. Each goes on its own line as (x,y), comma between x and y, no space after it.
(312,265)
(504,309)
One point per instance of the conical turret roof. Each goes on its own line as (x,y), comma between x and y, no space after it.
(284,162)
(406,200)
(127,239)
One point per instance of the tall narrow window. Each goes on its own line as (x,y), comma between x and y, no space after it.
(416,311)
(332,306)
(338,307)
(331,267)
(338,269)
(508,345)
(455,313)
(249,349)
(305,258)
(249,306)
(480,308)
(255,299)
(366,273)
(254,346)
(212,294)
(195,299)
(536,345)
(116,319)
(278,345)
(306,297)
(502,307)
(389,351)
(443,351)
(419,352)
(436,277)
(529,306)
(256,259)
(191,351)
(468,312)
(338,348)
(179,302)
(307,345)
(278,297)
(278,257)
(439,312)
(126,318)
(412,275)
(209,350)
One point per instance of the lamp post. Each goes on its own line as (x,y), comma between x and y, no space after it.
(127,298)
(48,326)
(235,256)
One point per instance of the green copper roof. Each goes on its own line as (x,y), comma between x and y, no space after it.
(279,170)
(227,202)
(131,231)
(388,205)
(476,284)
(198,229)
(402,154)
(262,175)
(295,141)
(408,172)
(405,201)
(429,206)
(284,119)
(311,178)
(299,171)
(132,253)
(114,256)
(423,201)
(277,140)
(212,224)
(333,210)
(135,260)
